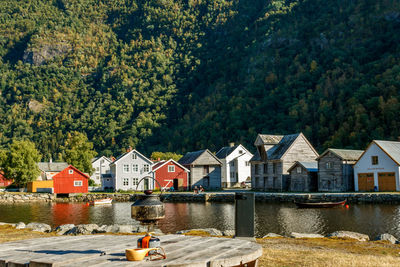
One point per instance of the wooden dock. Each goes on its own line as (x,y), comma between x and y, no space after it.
(109,250)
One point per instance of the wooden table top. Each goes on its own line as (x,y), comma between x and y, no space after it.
(109,250)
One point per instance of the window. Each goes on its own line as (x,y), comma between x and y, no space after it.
(146,167)
(134,156)
(232,175)
(78,183)
(247,163)
(97,177)
(240,151)
(265,167)
(374,160)
(125,182)
(255,168)
(108,179)
(135,181)
(233,163)
(135,168)
(97,168)
(298,169)
(126,168)
(171,168)
(329,165)
(274,167)
(206,169)
(70,171)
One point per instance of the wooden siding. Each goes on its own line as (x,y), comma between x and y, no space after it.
(64,182)
(166,179)
(279,180)
(212,180)
(338,178)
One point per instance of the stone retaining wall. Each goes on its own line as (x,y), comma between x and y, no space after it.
(9,197)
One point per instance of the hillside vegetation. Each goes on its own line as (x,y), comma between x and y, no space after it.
(179,75)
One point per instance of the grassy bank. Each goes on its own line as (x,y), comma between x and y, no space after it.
(291,252)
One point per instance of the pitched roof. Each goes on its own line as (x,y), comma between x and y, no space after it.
(52,166)
(95,159)
(126,153)
(311,166)
(344,154)
(269,139)
(391,148)
(162,163)
(278,150)
(158,164)
(225,151)
(190,157)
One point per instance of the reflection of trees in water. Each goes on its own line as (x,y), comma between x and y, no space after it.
(300,220)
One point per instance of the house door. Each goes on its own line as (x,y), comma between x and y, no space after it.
(387,181)
(366,182)
(176,184)
(146,184)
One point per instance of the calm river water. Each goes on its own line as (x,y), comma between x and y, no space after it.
(270,217)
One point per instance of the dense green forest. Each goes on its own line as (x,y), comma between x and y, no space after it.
(180,75)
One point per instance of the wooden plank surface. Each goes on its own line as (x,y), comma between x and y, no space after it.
(109,250)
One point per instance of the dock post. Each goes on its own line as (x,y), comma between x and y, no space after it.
(244,215)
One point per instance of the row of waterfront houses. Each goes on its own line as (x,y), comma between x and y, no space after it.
(280,163)
(290,163)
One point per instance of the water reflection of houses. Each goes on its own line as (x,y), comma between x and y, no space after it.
(300,220)
(67,213)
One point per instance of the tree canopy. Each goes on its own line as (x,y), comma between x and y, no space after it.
(20,162)
(186,75)
(79,152)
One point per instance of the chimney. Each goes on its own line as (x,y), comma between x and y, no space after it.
(231,144)
(129,149)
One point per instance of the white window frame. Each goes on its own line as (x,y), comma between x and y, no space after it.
(135,168)
(134,156)
(146,168)
(125,181)
(232,175)
(299,169)
(135,181)
(70,171)
(171,168)
(372,160)
(125,168)
(78,183)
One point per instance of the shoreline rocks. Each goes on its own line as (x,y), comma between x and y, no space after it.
(87,229)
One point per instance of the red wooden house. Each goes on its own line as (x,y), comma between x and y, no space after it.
(70,180)
(3,181)
(170,174)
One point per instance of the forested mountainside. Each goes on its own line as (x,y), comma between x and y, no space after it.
(179,75)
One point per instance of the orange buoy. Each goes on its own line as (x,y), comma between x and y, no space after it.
(347,206)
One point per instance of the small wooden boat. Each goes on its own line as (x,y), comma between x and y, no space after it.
(101,201)
(320,204)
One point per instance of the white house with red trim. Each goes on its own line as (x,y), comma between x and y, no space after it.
(378,167)
(169,173)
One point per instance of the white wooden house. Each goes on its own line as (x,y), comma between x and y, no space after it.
(128,169)
(378,167)
(101,166)
(235,165)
